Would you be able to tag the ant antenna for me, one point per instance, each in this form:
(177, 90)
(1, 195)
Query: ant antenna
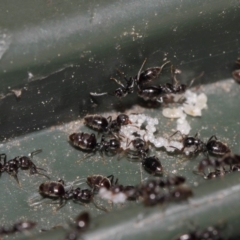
(35, 152)
(192, 81)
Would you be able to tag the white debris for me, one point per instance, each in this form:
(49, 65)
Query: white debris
(194, 103)
(192, 110)
(172, 112)
(114, 197)
(174, 145)
(202, 101)
(183, 126)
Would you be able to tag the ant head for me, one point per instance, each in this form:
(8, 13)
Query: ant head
(119, 92)
(72, 137)
(25, 162)
(123, 119)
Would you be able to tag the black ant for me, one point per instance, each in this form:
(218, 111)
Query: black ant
(56, 190)
(159, 92)
(170, 181)
(141, 147)
(24, 162)
(210, 233)
(17, 227)
(124, 90)
(189, 142)
(151, 164)
(231, 160)
(81, 225)
(142, 78)
(107, 124)
(215, 147)
(88, 142)
(236, 73)
(152, 191)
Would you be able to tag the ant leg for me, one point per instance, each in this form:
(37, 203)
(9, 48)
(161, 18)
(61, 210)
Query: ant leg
(176, 133)
(111, 178)
(116, 182)
(181, 150)
(16, 178)
(212, 137)
(118, 82)
(85, 156)
(42, 174)
(160, 100)
(62, 204)
(193, 80)
(99, 206)
(139, 72)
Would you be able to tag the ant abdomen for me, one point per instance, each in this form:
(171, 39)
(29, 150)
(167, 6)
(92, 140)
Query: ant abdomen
(97, 122)
(52, 189)
(84, 141)
(152, 165)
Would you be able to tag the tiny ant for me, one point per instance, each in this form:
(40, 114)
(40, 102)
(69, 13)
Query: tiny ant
(210, 233)
(113, 145)
(17, 227)
(189, 142)
(88, 142)
(124, 90)
(159, 92)
(56, 190)
(215, 163)
(231, 160)
(121, 120)
(170, 181)
(152, 192)
(81, 225)
(141, 147)
(24, 162)
(107, 124)
(151, 164)
(215, 147)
